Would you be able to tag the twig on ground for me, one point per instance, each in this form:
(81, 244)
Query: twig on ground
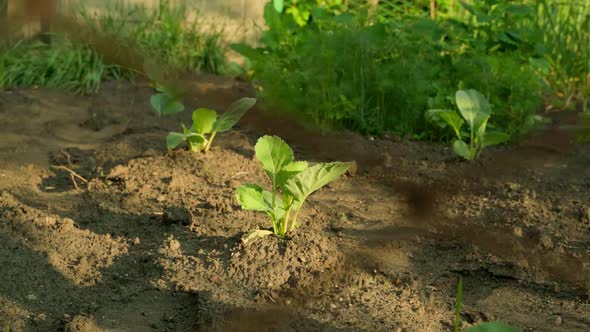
(73, 175)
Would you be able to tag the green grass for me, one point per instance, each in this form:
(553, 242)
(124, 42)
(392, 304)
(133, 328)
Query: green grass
(70, 62)
(62, 65)
(162, 34)
(566, 26)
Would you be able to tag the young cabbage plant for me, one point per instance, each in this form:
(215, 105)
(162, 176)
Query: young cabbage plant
(475, 112)
(167, 101)
(291, 184)
(206, 125)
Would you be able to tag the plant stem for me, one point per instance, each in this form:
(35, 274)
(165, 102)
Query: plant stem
(210, 140)
(471, 143)
(275, 226)
(285, 222)
(294, 221)
(192, 146)
(274, 192)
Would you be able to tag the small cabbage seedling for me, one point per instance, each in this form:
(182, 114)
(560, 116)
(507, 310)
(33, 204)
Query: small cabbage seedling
(167, 101)
(475, 110)
(206, 125)
(291, 184)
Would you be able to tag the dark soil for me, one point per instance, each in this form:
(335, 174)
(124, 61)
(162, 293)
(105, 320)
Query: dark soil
(152, 241)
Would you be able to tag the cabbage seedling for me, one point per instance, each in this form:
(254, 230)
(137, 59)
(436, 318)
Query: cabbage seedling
(206, 125)
(167, 101)
(291, 183)
(475, 110)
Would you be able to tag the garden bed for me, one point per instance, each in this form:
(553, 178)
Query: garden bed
(152, 241)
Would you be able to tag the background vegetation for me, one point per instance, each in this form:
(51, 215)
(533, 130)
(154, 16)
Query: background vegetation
(370, 66)
(378, 68)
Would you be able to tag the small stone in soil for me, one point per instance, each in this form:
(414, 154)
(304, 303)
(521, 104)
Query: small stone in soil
(546, 242)
(174, 245)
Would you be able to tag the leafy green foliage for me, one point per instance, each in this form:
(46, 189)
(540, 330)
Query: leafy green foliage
(291, 184)
(380, 72)
(300, 10)
(475, 111)
(206, 124)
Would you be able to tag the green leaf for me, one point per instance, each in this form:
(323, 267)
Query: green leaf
(494, 138)
(165, 105)
(474, 107)
(451, 118)
(255, 235)
(233, 114)
(481, 131)
(203, 120)
(174, 139)
(289, 170)
(279, 5)
(251, 197)
(303, 184)
(195, 140)
(493, 327)
(462, 149)
(274, 154)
